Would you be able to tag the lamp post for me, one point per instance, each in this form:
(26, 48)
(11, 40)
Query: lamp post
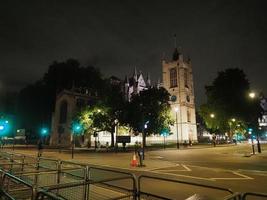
(212, 116)
(177, 139)
(252, 143)
(144, 137)
(252, 95)
(76, 129)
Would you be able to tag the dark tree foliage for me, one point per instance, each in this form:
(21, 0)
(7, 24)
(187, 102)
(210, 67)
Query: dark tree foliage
(114, 100)
(36, 102)
(227, 98)
(150, 107)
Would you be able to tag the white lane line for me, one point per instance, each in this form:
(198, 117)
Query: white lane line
(241, 177)
(187, 168)
(257, 172)
(172, 170)
(161, 169)
(185, 176)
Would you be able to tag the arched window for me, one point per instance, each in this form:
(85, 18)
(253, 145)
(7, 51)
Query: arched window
(173, 77)
(63, 112)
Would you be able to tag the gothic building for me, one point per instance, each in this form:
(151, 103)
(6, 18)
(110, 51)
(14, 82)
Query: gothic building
(135, 84)
(68, 103)
(177, 79)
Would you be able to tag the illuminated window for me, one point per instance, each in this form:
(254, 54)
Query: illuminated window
(173, 77)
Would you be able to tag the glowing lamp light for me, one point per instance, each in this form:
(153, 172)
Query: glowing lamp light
(44, 131)
(252, 95)
(176, 109)
(212, 115)
(77, 128)
(2, 127)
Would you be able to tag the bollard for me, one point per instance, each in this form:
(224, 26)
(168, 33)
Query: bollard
(140, 155)
(86, 186)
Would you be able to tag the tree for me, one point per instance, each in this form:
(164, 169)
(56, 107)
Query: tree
(115, 102)
(36, 101)
(94, 119)
(149, 112)
(227, 99)
(107, 113)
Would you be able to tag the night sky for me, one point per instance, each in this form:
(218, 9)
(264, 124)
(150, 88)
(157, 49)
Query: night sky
(117, 35)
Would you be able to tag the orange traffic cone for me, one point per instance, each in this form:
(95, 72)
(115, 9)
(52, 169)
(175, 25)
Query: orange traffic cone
(134, 161)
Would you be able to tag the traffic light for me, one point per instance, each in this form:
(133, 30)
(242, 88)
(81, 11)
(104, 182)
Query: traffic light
(4, 127)
(250, 131)
(77, 128)
(44, 132)
(164, 132)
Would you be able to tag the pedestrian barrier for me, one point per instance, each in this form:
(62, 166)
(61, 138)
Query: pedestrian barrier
(252, 195)
(31, 178)
(13, 187)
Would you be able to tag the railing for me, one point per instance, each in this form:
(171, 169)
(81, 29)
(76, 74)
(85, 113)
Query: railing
(252, 194)
(41, 195)
(13, 187)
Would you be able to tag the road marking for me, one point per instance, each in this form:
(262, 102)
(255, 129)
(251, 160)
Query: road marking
(187, 168)
(256, 172)
(242, 175)
(163, 169)
(180, 175)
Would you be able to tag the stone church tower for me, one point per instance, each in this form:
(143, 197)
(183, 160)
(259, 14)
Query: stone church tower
(178, 81)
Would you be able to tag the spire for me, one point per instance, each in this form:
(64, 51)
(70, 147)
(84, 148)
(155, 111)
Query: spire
(175, 55)
(148, 80)
(175, 41)
(135, 74)
(126, 80)
(188, 59)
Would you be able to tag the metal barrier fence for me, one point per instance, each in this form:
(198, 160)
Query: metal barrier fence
(254, 196)
(27, 177)
(63, 178)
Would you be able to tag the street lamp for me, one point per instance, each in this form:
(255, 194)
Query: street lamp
(212, 115)
(251, 137)
(177, 139)
(252, 95)
(144, 136)
(76, 129)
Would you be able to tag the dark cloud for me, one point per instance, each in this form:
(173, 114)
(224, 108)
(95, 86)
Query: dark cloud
(119, 34)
